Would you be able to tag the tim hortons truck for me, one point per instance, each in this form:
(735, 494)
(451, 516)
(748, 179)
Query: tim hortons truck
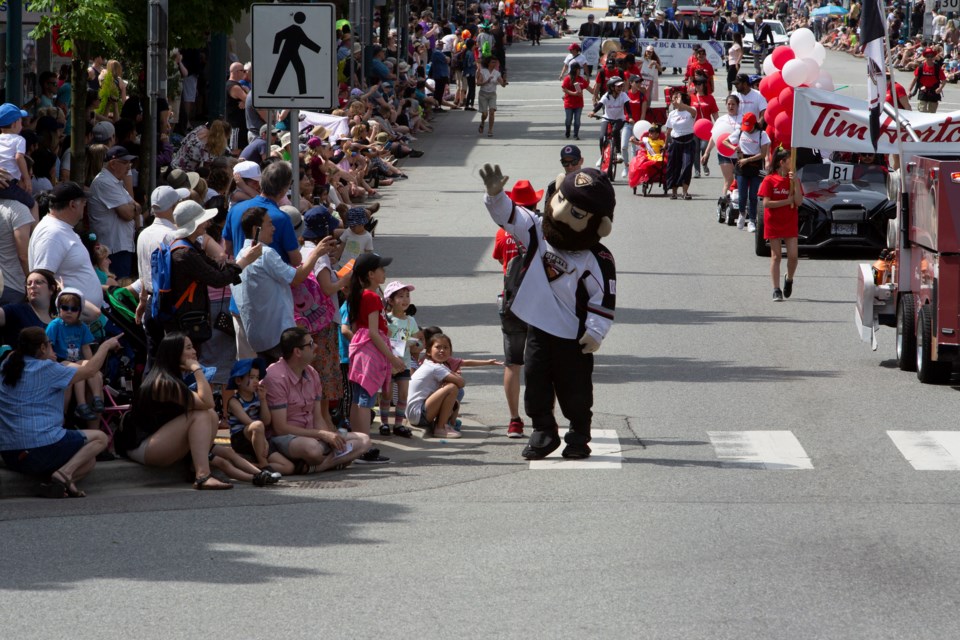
(915, 285)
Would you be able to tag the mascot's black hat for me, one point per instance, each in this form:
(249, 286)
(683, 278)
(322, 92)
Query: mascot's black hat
(590, 190)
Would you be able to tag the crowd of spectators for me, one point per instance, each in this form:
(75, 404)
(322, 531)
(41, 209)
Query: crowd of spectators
(220, 299)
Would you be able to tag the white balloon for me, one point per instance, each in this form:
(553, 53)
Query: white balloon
(794, 72)
(720, 128)
(819, 54)
(824, 81)
(802, 41)
(813, 71)
(768, 67)
(640, 128)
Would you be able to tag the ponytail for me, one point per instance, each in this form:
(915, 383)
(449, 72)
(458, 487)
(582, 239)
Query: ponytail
(29, 343)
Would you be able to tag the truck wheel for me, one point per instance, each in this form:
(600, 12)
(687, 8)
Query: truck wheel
(929, 371)
(906, 334)
(761, 247)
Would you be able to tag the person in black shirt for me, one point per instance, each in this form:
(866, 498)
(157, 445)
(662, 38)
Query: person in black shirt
(589, 29)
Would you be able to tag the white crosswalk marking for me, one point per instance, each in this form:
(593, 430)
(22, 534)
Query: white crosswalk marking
(929, 450)
(774, 450)
(606, 454)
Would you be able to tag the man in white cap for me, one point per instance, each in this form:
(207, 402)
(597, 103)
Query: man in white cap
(246, 174)
(162, 202)
(114, 214)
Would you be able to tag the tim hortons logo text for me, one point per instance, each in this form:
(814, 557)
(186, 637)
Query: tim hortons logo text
(838, 121)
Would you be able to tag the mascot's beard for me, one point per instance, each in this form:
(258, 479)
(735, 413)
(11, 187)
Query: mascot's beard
(561, 236)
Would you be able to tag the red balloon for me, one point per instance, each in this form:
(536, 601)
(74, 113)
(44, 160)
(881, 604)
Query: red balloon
(764, 84)
(703, 128)
(786, 100)
(775, 85)
(723, 149)
(783, 123)
(773, 110)
(781, 56)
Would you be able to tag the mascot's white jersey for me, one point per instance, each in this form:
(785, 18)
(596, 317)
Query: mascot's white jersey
(564, 293)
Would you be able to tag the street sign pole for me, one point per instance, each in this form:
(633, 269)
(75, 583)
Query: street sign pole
(295, 156)
(156, 80)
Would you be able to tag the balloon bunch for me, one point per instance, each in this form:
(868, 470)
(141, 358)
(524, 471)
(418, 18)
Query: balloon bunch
(786, 68)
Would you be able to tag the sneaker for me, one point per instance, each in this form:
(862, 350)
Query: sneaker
(741, 222)
(515, 429)
(384, 429)
(751, 227)
(623, 173)
(706, 172)
(567, 135)
(84, 413)
(372, 457)
(787, 287)
(97, 404)
(777, 295)
(619, 158)
(696, 174)
(576, 136)
(599, 162)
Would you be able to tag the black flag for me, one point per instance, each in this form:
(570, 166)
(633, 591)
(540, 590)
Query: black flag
(873, 35)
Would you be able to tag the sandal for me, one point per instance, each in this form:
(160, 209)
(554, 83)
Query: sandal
(384, 429)
(490, 134)
(480, 129)
(673, 196)
(688, 197)
(402, 431)
(200, 484)
(449, 434)
(71, 489)
(265, 477)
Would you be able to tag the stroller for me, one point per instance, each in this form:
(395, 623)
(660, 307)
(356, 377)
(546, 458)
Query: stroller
(645, 174)
(728, 206)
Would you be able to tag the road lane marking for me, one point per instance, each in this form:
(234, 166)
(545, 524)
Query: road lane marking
(929, 450)
(607, 454)
(773, 450)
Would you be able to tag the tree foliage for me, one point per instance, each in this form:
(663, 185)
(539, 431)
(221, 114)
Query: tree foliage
(190, 22)
(80, 23)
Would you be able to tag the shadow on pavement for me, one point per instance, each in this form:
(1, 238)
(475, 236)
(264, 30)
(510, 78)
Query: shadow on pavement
(626, 369)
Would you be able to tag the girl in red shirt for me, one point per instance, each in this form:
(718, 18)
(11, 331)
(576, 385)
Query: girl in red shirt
(371, 360)
(573, 86)
(706, 107)
(781, 195)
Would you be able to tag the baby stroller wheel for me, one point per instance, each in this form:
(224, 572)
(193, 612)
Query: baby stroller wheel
(722, 210)
(645, 189)
(732, 215)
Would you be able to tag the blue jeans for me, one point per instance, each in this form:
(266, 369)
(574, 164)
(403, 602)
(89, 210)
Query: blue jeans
(747, 188)
(701, 145)
(573, 114)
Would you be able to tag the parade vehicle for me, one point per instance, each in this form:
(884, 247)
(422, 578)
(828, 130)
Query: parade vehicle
(844, 205)
(915, 285)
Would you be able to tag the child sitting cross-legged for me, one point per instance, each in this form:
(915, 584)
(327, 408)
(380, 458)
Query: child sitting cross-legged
(432, 399)
(71, 340)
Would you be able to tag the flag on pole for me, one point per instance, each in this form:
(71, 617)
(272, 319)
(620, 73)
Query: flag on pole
(874, 35)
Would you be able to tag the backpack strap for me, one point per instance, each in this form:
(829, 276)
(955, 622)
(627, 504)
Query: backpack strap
(186, 295)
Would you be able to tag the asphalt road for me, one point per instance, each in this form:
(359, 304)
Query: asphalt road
(823, 530)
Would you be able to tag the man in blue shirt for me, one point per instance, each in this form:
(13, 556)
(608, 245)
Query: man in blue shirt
(378, 68)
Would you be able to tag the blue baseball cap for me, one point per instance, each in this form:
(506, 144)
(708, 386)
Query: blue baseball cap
(319, 223)
(10, 113)
(243, 367)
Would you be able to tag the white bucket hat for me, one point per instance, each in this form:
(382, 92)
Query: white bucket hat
(189, 215)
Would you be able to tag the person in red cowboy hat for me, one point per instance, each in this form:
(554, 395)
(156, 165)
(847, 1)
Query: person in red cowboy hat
(524, 195)
(574, 57)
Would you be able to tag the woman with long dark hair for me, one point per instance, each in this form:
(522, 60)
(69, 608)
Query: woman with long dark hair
(681, 144)
(171, 421)
(33, 440)
(39, 309)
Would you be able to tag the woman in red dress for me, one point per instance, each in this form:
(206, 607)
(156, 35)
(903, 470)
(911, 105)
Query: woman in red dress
(781, 195)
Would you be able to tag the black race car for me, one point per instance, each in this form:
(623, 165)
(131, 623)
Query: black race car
(844, 205)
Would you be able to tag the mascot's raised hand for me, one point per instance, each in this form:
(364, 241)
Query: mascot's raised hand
(493, 178)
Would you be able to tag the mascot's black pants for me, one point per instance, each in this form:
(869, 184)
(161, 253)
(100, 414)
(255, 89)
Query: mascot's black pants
(556, 368)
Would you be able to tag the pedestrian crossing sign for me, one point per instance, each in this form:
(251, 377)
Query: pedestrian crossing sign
(294, 56)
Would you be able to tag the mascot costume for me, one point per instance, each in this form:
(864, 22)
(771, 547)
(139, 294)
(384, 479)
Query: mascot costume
(566, 295)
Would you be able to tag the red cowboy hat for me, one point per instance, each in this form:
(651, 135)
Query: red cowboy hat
(524, 195)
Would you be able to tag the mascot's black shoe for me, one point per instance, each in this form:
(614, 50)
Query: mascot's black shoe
(576, 448)
(541, 444)
(576, 451)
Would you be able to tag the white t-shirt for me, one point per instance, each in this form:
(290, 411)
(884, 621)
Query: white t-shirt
(354, 245)
(13, 216)
(55, 246)
(680, 123)
(751, 142)
(613, 107)
(488, 80)
(323, 262)
(106, 194)
(751, 102)
(424, 382)
(578, 59)
(448, 41)
(150, 239)
(10, 145)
